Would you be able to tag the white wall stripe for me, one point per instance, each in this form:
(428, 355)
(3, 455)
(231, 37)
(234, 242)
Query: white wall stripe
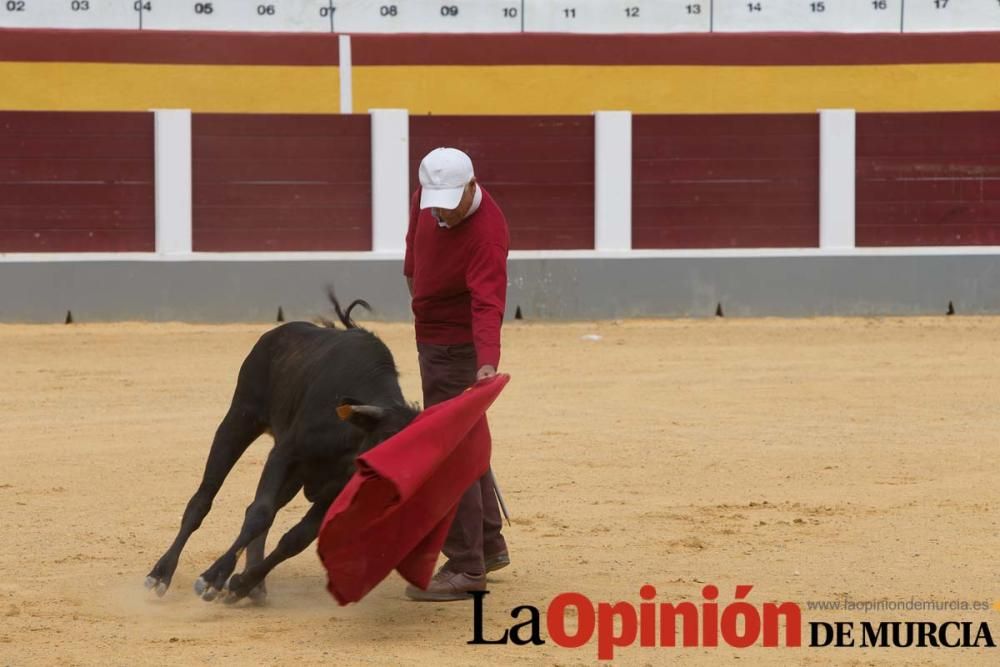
(344, 69)
(173, 180)
(836, 178)
(613, 180)
(390, 179)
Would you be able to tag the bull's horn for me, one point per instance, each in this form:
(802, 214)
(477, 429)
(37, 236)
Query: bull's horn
(373, 411)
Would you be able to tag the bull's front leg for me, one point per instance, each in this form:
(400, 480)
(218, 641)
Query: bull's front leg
(300, 536)
(258, 519)
(240, 427)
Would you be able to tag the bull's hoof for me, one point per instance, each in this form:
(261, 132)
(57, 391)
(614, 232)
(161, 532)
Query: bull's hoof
(212, 581)
(159, 577)
(160, 586)
(205, 591)
(236, 589)
(259, 594)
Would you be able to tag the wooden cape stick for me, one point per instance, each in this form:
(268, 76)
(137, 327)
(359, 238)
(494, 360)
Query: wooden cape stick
(496, 489)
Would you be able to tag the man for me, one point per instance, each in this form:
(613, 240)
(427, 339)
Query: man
(456, 270)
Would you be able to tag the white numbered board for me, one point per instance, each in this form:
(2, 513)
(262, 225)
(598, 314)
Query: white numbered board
(950, 15)
(508, 16)
(429, 16)
(807, 15)
(225, 15)
(238, 15)
(619, 16)
(80, 14)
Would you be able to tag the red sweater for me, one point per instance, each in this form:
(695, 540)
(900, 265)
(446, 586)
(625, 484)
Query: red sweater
(459, 277)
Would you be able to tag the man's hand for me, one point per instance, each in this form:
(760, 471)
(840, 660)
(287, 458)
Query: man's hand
(486, 371)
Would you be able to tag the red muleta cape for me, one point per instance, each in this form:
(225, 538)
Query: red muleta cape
(396, 510)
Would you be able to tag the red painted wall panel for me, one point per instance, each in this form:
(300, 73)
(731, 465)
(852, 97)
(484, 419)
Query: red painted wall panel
(733, 181)
(540, 170)
(281, 182)
(700, 49)
(76, 182)
(305, 49)
(928, 179)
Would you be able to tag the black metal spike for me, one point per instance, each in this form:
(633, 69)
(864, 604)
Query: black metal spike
(718, 310)
(281, 314)
(951, 308)
(517, 314)
(69, 317)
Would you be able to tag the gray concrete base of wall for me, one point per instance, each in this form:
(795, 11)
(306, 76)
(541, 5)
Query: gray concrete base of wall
(562, 288)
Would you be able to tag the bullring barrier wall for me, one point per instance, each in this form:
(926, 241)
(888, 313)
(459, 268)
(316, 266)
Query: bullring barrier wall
(921, 255)
(174, 182)
(254, 186)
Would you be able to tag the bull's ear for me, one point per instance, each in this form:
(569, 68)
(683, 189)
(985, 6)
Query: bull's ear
(365, 417)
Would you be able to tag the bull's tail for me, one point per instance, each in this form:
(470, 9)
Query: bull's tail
(344, 315)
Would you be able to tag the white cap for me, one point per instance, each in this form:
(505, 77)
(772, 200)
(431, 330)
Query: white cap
(444, 173)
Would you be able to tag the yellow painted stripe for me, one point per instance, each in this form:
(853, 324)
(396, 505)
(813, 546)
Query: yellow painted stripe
(532, 89)
(208, 88)
(521, 89)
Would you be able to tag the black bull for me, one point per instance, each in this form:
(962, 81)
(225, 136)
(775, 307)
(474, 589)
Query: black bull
(291, 385)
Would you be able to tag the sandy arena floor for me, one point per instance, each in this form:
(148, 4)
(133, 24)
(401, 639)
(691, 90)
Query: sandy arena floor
(810, 458)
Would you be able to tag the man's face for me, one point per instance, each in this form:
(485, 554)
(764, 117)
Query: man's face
(453, 216)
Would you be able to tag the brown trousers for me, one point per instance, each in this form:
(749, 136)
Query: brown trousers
(446, 371)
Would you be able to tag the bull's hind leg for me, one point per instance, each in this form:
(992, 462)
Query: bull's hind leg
(259, 517)
(300, 536)
(255, 552)
(240, 427)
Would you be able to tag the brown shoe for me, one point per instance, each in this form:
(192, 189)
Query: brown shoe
(447, 585)
(498, 561)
